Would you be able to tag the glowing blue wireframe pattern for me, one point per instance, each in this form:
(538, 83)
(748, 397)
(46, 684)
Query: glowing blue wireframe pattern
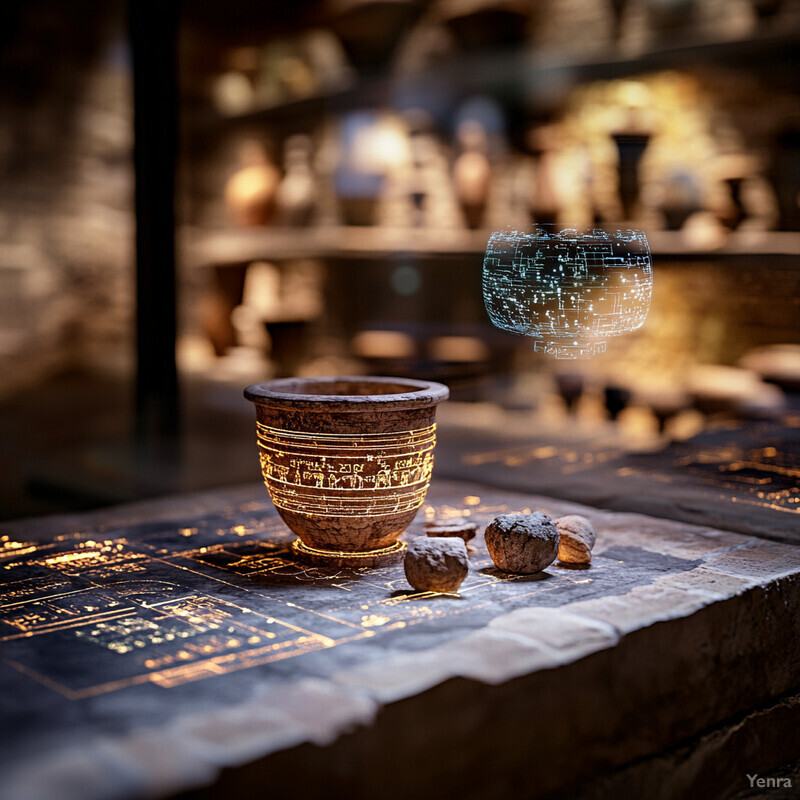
(568, 288)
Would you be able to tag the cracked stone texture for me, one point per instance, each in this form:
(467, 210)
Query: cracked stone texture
(675, 633)
(522, 543)
(436, 564)
(576, 540)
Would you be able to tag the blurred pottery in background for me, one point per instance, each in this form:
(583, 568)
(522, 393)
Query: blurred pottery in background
(616, 400)
(778, 364)
(665, 402)
(472, 172)
(295, 195)
(250, 193)
(544, 201)
(570, 388)
(731, 391)
(289, 344)
(784, 175)
(734, 170)
(631, 147)
(666, 17)
(370, 146)
(370, 30)
(618, 13)
(680, 199)
(485, 23)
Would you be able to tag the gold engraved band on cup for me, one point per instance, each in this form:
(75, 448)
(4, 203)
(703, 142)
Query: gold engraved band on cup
(364, 442)
(336, 506)
(338, 474)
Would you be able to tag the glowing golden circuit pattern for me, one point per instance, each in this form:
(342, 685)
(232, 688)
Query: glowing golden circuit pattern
(348, 475)
(756, 465)
(87, 615)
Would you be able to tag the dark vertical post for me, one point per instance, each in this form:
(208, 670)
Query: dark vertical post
(153, 37)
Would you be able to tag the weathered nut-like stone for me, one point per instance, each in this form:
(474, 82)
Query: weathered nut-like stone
(576, 540)
(461, 528)
(524, 543)
(436, 564)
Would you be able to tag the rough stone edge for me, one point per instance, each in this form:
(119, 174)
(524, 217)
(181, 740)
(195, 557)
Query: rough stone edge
(191, 750)
(713, 765)
(464, 733)
(197, 763)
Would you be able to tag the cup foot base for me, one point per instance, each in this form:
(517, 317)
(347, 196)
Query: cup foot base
(339, 558)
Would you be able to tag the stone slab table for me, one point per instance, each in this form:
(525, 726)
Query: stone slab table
(175, 648)
(740, 475)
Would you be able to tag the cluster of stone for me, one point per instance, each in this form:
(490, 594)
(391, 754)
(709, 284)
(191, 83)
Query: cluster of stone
(520, 543)
(529, 543)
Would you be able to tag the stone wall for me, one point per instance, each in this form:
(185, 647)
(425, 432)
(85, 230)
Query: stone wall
(66, 223)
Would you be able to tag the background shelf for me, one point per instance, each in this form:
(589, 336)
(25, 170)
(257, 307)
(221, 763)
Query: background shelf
(202, 248)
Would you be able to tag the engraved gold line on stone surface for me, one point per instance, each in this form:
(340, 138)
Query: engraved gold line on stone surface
(335, 474)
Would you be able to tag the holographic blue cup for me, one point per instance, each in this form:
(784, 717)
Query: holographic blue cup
(569, 288)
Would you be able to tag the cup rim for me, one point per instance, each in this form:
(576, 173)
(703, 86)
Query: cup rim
(286, 393)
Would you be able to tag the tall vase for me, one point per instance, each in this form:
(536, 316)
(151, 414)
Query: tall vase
(631, 147)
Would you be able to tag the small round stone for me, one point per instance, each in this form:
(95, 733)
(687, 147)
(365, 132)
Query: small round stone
(523, 543)
(577, 538)
(436, 564)
(453, 527)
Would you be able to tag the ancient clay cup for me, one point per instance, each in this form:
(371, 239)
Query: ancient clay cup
(347, 461)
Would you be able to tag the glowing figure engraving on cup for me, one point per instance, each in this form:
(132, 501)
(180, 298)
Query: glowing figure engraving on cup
(568, 288)
(343, 474)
